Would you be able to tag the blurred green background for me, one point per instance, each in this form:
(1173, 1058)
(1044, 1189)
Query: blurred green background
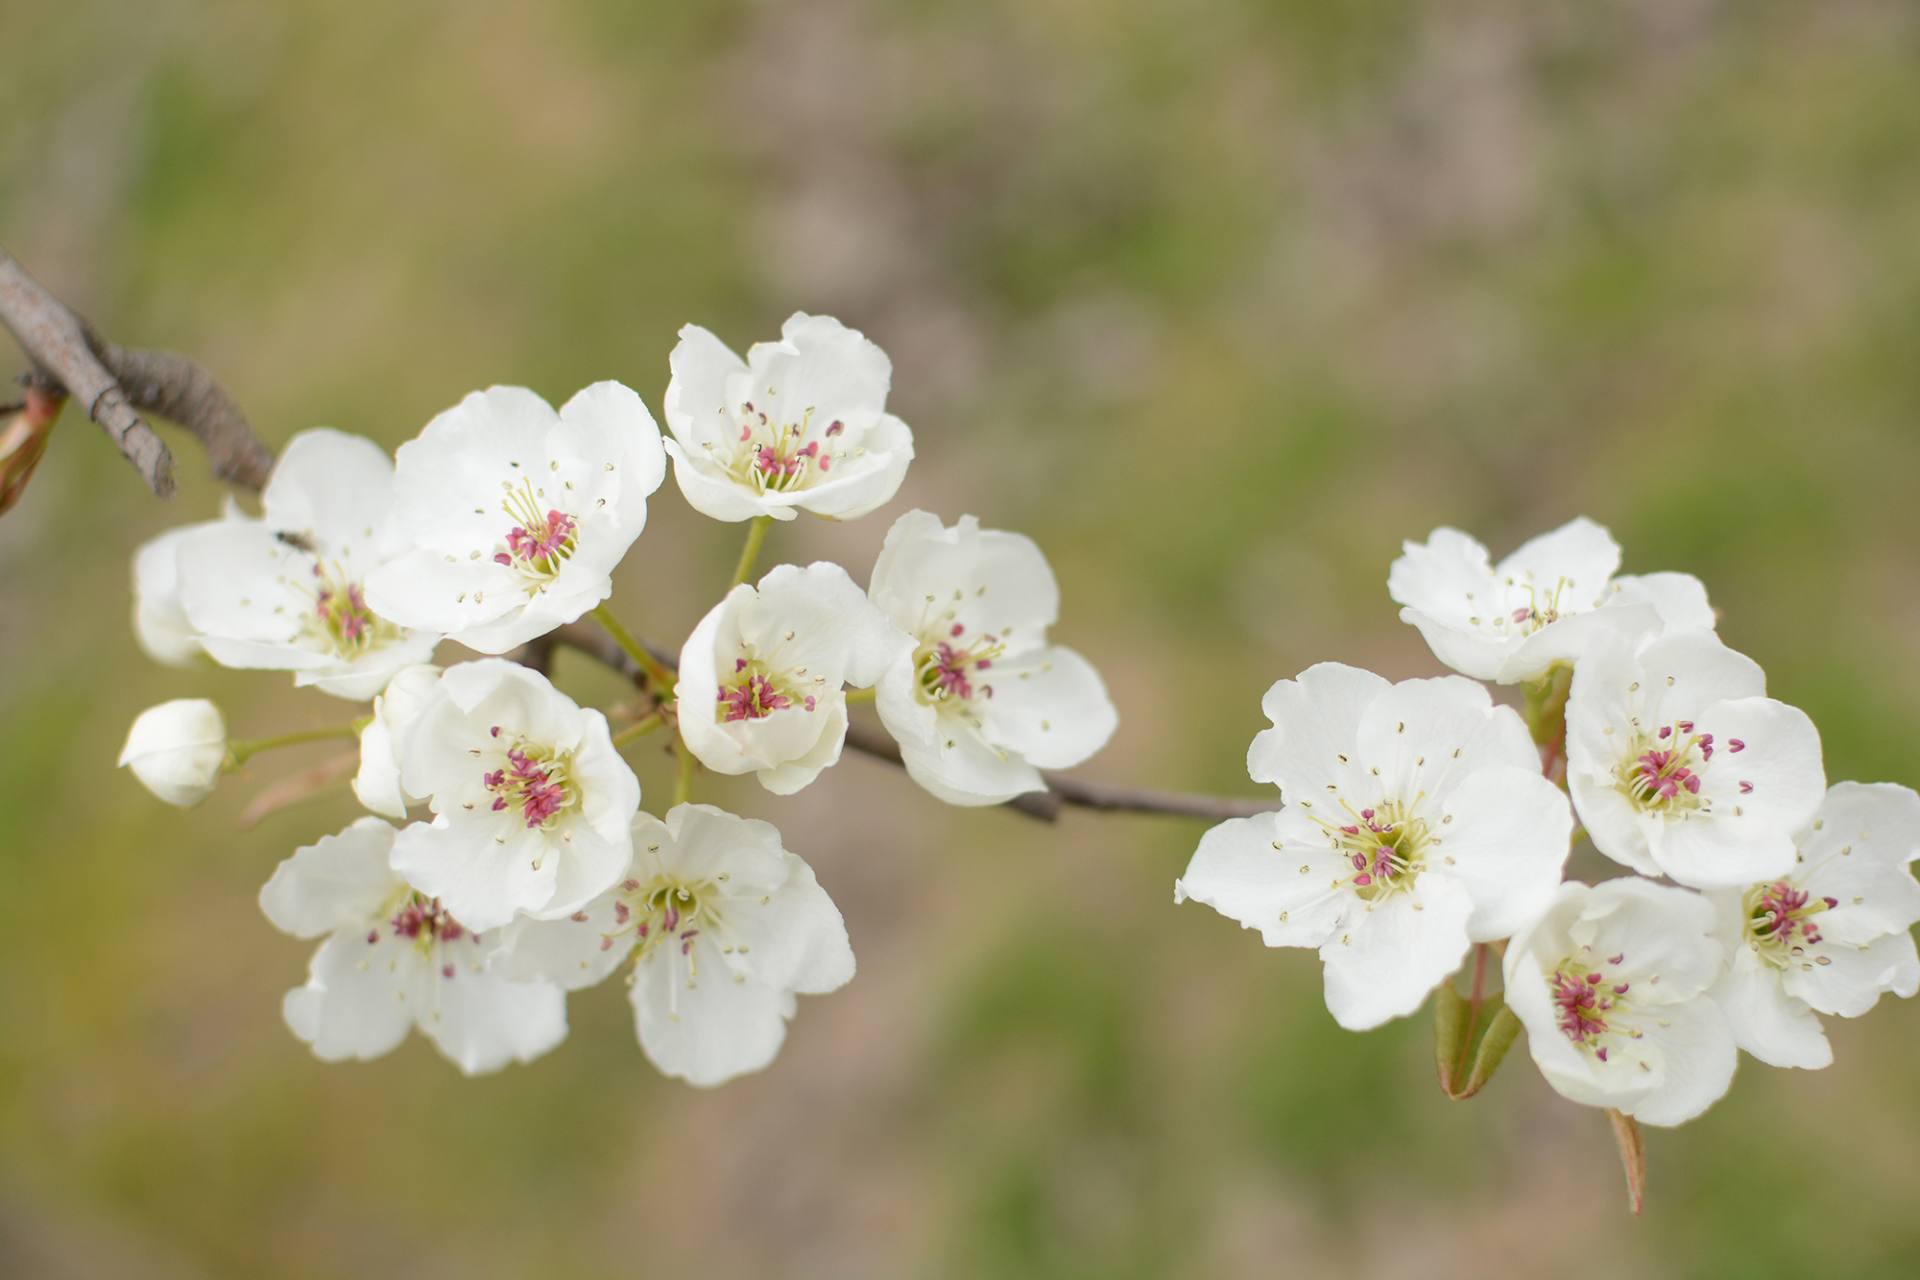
(1220, 300)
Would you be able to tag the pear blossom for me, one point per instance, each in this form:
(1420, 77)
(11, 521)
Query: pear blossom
(1829, 936)
(532, 805)
(980, 702)
(1417, 822)
(761, 676)
(377, 783)
(1679, 764)
(394, 959)
(1612, 985)
(177, 750)
(515, 516)
(160, 622)
(1542, 605)
(718, 926)
(288, 591)
(799, 425)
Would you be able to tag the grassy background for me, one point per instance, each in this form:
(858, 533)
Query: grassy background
(1220, 302)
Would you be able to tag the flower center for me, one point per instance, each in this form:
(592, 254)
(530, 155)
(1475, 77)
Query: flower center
(1662, 773)
(1386, 847)
(664, 912)
(755, 692)
(425, 923)
(538, 544)
(1780, 925)
(1589, 1003)
(779, 457)
(534, 782)
(943, 666)
(340, 621)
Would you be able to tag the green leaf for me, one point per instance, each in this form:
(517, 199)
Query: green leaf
(1502, 1029)
(1450, 1010)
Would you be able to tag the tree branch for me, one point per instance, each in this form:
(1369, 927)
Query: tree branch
(115, 383)
(1062, 791)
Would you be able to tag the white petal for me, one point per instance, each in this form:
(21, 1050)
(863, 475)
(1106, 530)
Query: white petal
(482, 1022)
(1699, 1057)
(963, 769)
(1580, 554)
(1429, 735)
(570, 952)
(481, 876)
(338, 882)
(1768, 1023)
(1274, 873)
(797, 774)
(709, 1029)
(712, 493)
(696, 406)
(1847, 980)
(1316, 717)
(1049, 705)
(1385, 961)
(930, 579)
(360, 999)
(159, 621)
(336, 491)
(797, 941)
(1679, 598)
(1507, 843)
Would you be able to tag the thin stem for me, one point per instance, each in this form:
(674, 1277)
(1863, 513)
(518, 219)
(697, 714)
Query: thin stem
(857, 696)
(239, 752)
(749, 554)
(683, 777)
(639, 728)
(657, 673)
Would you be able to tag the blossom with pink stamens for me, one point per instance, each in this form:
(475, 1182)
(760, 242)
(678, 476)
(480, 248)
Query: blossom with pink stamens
(980, 701)
(799, 425)
(1830, 936)
(395, 959)
(1544, 605)
(1611, 984)
(1416, 824)
(531, 802)
(772, 661)
(516, 514)
(1646, 717)
(718, 928)
(287, 591)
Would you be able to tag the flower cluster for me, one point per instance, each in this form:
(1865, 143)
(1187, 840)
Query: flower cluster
(508, 859)
(1422, 821)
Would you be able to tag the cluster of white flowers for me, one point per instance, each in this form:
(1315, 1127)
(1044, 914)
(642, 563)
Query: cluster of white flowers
(523, 865)
(1422, 818)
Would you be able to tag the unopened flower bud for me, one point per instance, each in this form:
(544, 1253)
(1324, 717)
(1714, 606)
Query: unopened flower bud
(177, 749)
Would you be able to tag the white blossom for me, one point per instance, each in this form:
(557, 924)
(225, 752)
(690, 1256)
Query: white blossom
(980, 702)
(532, 804)
(1680, 765)
(760, 681)
(719, 927)
(377, 783)
(288, 591)
(160, 622)
(177, 750)
(1611, 985)
(515, 516)
(1542, 605)
(394, 959)
(799, 425)
(1417, 822)
(1832, 934)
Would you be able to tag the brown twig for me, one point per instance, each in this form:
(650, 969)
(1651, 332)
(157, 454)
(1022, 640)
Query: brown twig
(115, 383)
(1061, 792)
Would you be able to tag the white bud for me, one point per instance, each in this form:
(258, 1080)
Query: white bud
(177, 749)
